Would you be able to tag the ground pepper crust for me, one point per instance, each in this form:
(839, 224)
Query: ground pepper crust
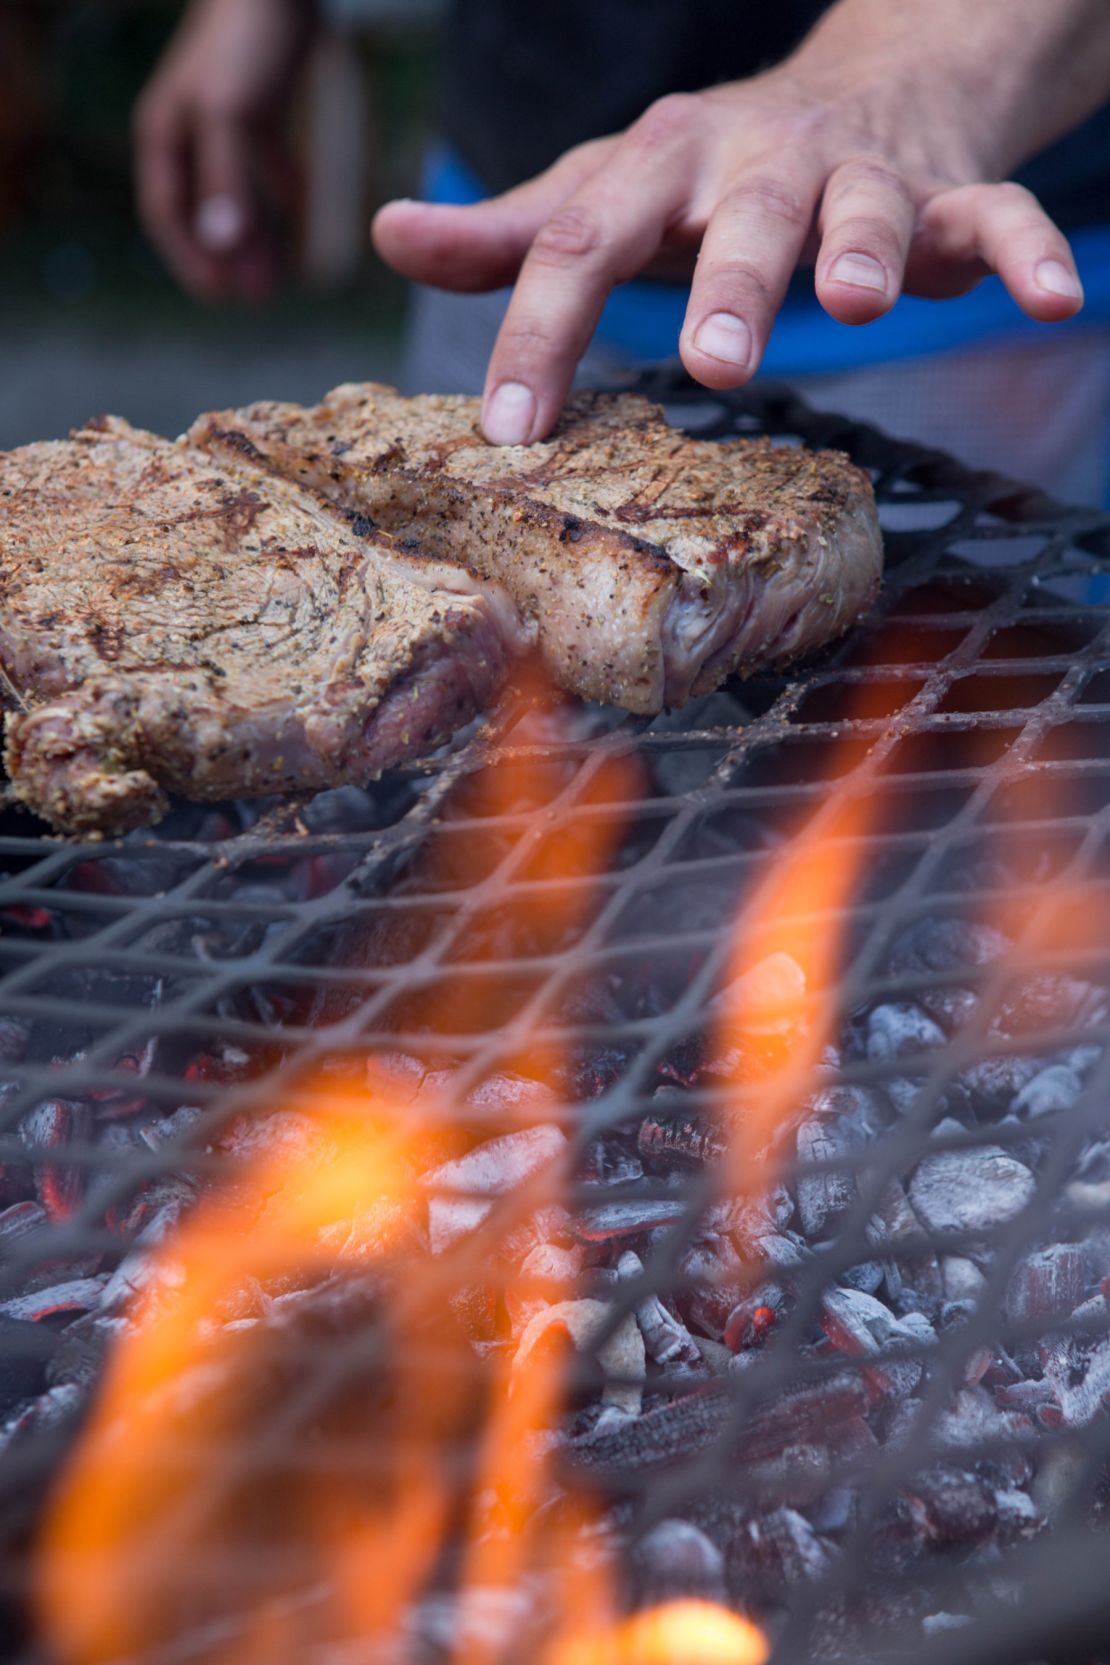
(292, 598)
(173, 620)
(653, 564)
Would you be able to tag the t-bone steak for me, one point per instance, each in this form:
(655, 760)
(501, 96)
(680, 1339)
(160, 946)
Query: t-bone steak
(292, 598)
(175, 620)
(652, 565)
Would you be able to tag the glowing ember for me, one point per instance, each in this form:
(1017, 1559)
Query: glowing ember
(781, 1010)
(677, 1633)
(334, 1297)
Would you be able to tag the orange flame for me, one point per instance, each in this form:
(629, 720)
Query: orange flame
(780, 1009)
(256, 1485)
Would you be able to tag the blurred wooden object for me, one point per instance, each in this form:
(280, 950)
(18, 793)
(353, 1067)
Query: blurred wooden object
(337, 142)
(343, 128)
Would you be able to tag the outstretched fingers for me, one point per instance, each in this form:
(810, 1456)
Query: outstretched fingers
(751, 247)
(1003, 229)
(867, 220)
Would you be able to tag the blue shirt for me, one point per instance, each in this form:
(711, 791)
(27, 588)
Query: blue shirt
(642, 319)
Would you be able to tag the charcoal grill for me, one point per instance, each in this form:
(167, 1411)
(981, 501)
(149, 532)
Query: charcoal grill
(224, 958)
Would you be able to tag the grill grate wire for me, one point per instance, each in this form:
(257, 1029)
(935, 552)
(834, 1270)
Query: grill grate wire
(316, 931)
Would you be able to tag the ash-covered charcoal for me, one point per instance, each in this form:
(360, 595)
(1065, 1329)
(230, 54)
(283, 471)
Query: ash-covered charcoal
(19, 1220)
(49, 1412)
(989, 1087)
(1044, 1000)
(773, 1553)
(712, 1277)
(608, 1162)
(1049, 1283)
(831, 1144)
(48, 1131)
(671, 1433)
(911, 1268)
(621, 1220)
(970, 1192)
(668, 1342)
(56, 1301)
(899, 1029)
(752, 1319)
(1055, 1088)
(677, 1560)
(937, 945)
(674, 1143)
(862, 1327)
(15, 1032)
(1078, 1371)
(461, 1190)
(942, 1511)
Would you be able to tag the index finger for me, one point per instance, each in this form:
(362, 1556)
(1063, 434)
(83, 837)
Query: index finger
(602, 235)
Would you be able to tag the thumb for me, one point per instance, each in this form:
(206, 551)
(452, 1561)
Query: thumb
(480, 245)
(223, 207)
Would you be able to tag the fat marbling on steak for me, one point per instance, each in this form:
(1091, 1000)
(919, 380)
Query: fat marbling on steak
(171, 620)
(652, 565)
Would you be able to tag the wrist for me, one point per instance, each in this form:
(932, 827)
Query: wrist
(983, 83)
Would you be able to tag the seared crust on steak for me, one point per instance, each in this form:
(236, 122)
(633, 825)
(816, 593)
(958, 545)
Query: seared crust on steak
(653, 565)
(174, 620)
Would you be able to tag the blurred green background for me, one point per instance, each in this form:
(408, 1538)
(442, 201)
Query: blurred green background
(91, 321)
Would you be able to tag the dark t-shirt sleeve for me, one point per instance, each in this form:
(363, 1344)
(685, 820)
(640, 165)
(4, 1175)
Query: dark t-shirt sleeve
(521, 82)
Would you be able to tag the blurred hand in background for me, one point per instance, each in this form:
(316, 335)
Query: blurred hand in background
(213, 168)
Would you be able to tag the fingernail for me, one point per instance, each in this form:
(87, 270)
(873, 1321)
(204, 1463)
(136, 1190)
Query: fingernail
(1056, 279)
(724, 336)
(220, 223)
(860, 270)
(509, 415)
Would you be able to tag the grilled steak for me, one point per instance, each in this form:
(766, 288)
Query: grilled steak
(171, 619)
(653, 565)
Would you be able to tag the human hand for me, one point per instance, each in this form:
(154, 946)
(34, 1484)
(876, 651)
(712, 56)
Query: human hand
(209, 159)
(874, 151)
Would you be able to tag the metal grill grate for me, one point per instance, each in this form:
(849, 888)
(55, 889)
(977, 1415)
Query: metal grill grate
(220, 961)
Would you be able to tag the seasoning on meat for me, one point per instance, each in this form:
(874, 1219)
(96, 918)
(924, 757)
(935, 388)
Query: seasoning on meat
(652, 565)
(289, 599)
(175, 621)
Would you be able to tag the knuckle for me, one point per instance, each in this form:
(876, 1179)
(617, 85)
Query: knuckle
(868, 234)
(667, 120)
(569, 236)
(1010, 194)
(744, 282)
(523, 343)
(770, 198)
(873, 174)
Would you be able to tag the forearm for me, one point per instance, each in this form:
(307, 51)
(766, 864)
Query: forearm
(1009, 75)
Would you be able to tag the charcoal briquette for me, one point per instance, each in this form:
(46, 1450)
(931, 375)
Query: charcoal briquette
(676, 1559)
(899, 1029)
(972, 1191)
(1056, 1087)
(1049, 1283)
